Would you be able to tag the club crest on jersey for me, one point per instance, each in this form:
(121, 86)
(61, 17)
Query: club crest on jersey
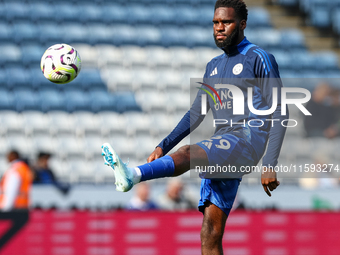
(238, 68)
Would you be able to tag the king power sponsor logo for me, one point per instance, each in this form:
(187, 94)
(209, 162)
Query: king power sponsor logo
(235, 101)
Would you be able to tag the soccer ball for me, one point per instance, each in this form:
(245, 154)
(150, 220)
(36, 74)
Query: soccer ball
(60, 63)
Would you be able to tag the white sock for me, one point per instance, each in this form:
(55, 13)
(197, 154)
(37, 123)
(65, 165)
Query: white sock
(137, 175)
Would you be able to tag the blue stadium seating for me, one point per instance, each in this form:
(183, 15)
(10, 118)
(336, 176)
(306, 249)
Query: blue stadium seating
(26, 99)
(74, 33)
(24, 32)
(102, 101)
(77, 100)
(15, 11)
(50, 33)
(90, 12)
(114, 13)
(6, 33)
(148, 35)
(31, 54)
(17, 77)
(125, 101)
(6, 99)
(66, 12)
(10, 55)
(52, 100)
(41, 11)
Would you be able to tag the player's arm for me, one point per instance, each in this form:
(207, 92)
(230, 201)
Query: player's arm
(191, 120)
(267, 70)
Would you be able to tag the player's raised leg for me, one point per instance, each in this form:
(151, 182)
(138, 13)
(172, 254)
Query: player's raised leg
(163, 166)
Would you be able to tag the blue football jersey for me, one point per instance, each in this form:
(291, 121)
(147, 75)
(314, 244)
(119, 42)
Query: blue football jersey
(243, 66)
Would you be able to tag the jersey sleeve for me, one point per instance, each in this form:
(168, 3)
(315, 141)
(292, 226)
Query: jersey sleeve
(191, 120)
(267, 72)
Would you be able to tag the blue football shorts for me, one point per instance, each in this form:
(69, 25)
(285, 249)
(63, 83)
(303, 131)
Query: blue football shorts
(231, 154)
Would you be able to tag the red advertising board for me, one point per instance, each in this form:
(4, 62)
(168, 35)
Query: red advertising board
(173, 233)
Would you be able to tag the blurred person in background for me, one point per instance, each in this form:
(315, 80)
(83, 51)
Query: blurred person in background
(323, 119)
(175, 198)
(15, 187)
(15, 184)
(141, 200)
(43, 173)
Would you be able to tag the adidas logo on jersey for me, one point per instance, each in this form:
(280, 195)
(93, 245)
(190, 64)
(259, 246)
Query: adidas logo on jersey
(214, 72)
(207, 144)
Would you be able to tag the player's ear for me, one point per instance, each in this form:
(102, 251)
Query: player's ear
(243, 24)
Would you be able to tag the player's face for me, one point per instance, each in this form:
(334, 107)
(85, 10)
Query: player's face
(226, 27)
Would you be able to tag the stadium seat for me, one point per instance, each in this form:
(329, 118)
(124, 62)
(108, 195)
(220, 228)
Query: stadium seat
(336, 20)
(88, 55)
(326, 61)
(6, 33)
(186, 15)
(86, 123)
(6, 100)
(108, 55)
(74, 33)
(15, 11)
(100, 34)
(123, 34)
(67, 12)
(51, 100)
(31, 54)
(162, 14)
(205, 14)
(88, 79)
(114, 13)
(38, 80)
(102, 101)
(18, 77)
(173, 36)
(24, 32)
(158, 57)
(126, 102)
(26, 99)
(151, 101)
(148, 35)
(35, 122)
(21, 143)
(90, 12)
(258, 17)
(134, 55)
(169, 80)
(320, 13)
(199, 37)
(93, 146)
(11, 122)
(50, 33)
(182, 57)
(69, 148)
(77, 100)
(144, 79)
(122, 79)
(139, 14)
(10, 55)
(112, 123)
(44, 142)
(292, 39)
(41, 11)
(61, 123)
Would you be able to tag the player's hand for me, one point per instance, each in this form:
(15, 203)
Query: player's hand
(269, 180)
(157, 153)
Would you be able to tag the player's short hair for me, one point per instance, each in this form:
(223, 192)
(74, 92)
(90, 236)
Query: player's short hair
(238, 5)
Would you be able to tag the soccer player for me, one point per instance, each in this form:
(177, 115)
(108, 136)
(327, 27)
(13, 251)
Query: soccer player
(249, 66)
